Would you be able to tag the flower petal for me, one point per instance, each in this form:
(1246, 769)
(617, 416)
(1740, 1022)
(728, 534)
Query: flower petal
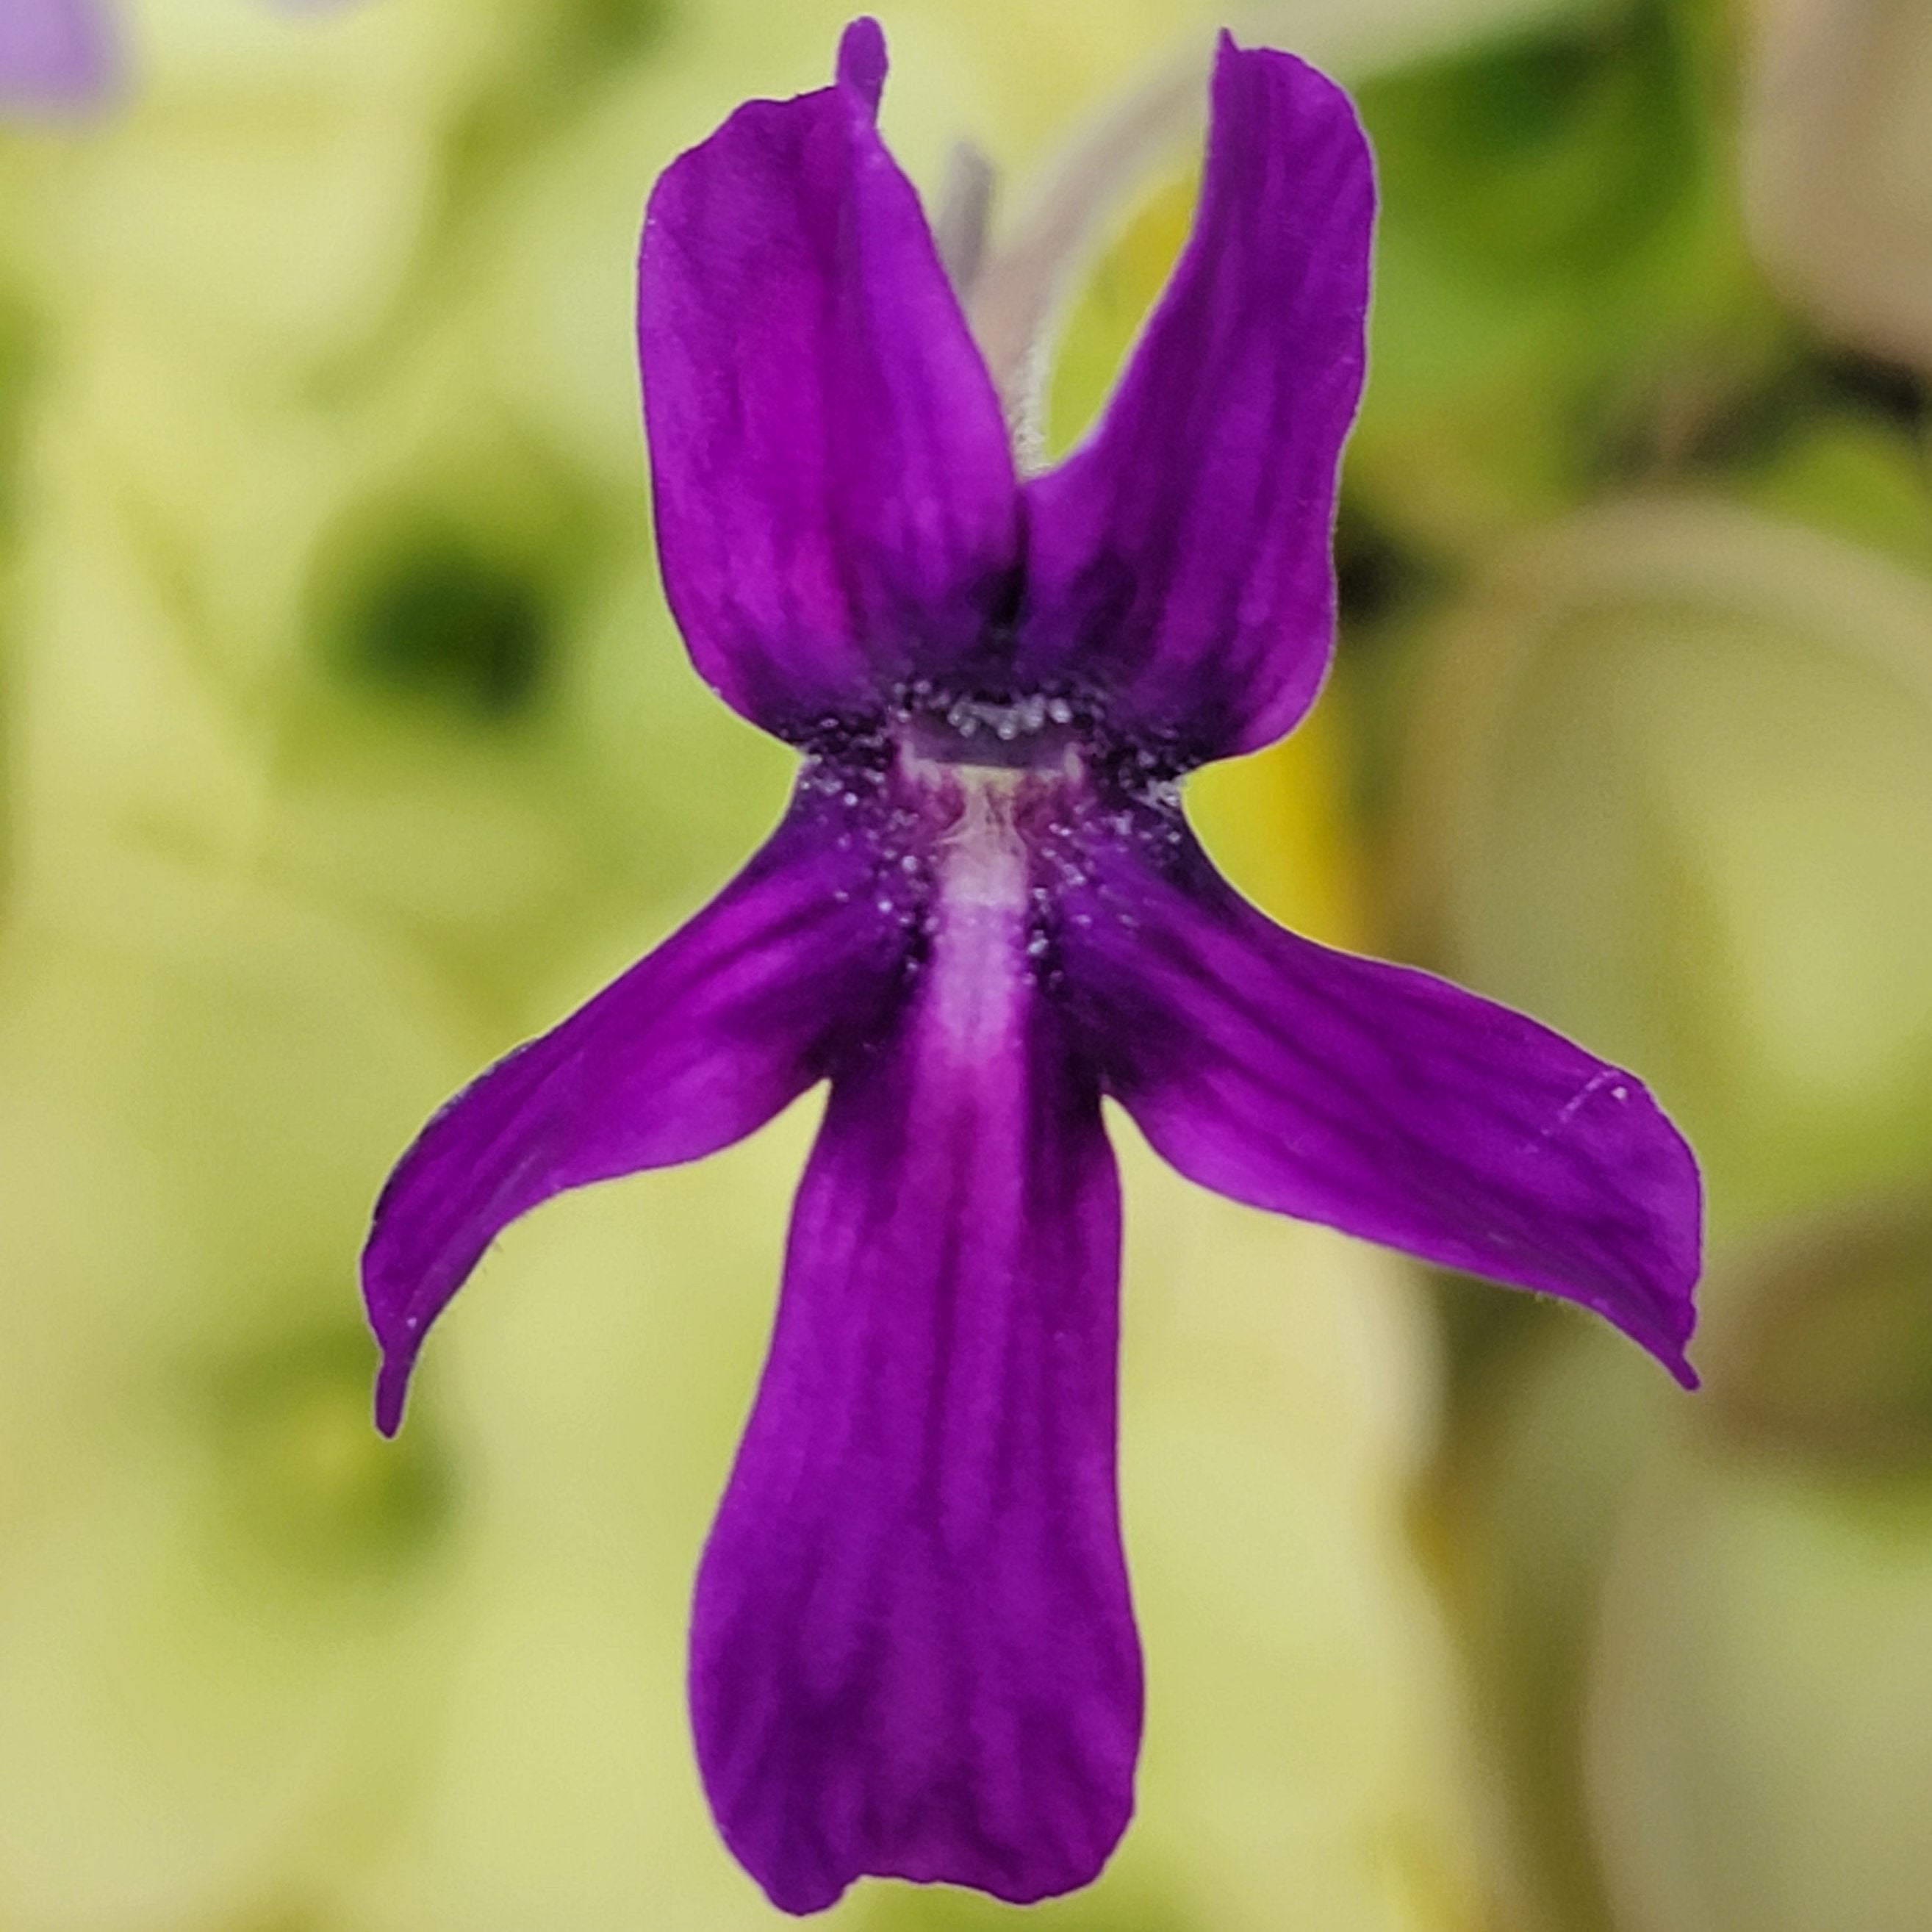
(698, 1044)
(56, 53)
(861, 60)
(1378, 1098)
(1182, 558)
(913, 1652)
(836, 506)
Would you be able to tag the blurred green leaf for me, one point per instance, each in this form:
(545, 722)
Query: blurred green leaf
(1563, 290)
(1555, 1425)
(1549, 156)
(1821, 1343)
(441, 623)
(448, 589)
(1761, 1714)
(1673, 793)
(214, 1584)
(307, 1486)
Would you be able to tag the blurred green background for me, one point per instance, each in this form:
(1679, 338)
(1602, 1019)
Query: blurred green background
(346, 740)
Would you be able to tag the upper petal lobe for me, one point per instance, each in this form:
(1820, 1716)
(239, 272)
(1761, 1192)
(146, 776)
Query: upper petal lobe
(1380, 1099)
(912, 1651)
(836, 506)
(1182, 558)
(698, 1044)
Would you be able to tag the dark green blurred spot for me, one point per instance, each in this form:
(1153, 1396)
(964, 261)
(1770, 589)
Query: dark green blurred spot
(1834, 442)
(1377, 576)
(574, 48)
(1886, 391)
(1545, 154)
(1683, 407)
(600, 32)
(306, 1482)
(1833, 1352)
(1748, 425)
(441, 624)
(1511, 105)
(18, 346)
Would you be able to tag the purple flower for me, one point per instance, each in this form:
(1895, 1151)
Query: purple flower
(912, 1651)
(61, 55)
(55, 54)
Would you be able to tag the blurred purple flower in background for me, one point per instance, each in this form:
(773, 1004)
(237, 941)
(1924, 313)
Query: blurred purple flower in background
(55, 54)
(62, 55)
(913, 1651)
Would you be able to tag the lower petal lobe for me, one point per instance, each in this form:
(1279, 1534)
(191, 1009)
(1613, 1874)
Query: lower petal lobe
(913, 1652)
(698, 1044)
(1378, 1098)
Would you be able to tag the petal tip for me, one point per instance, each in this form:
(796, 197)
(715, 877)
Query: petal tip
(392, 1388)
(805, 1900)
(1322, 104)
(863, 61)
(1664, 1332)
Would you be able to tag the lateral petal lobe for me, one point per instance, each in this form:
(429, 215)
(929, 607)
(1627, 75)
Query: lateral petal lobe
(1380, 1099)
(701, 1043)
